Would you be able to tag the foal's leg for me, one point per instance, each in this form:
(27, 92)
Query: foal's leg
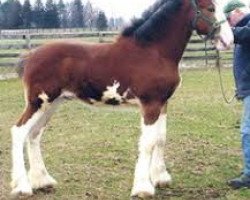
(158, 173)
(32, 120)
(20, 183)
(38, 174)
(150, 124)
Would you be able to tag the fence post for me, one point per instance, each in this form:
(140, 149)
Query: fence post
(101, 37)
(27, 39)
(206, 54)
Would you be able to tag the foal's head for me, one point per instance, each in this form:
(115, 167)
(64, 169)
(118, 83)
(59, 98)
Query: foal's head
(208, 19)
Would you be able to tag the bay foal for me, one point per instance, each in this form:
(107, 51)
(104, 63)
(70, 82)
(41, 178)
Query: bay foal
(141, 64)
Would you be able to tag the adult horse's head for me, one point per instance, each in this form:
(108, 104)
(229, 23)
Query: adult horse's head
(209, 20)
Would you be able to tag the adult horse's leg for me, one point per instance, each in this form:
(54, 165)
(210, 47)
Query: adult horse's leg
(38, 174)
(150, 124)
(158, 173)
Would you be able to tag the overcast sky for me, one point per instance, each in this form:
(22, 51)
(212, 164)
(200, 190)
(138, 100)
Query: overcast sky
(116, 8)
(125, 8)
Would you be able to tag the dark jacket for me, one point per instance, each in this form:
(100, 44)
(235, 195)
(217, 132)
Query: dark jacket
(242, 57)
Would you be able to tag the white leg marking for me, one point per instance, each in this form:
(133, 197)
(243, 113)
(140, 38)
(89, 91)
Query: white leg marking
(38, 174)
(158, 173)
(142, 183)
(20, 183)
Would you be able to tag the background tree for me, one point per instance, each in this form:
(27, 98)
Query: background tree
(38, 14)
(4, 10)
(111, 23)
(1, 16)
(119, 23)
(16, 20)
(51, 18)
(27, 14)
(76, 14)
(52, 15)
(11, 11)
(63, 14)
(90, 15)
(101, 21)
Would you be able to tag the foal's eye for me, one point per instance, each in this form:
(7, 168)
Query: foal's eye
(212, 10)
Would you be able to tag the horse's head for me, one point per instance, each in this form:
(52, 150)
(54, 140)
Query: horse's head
(210, 20)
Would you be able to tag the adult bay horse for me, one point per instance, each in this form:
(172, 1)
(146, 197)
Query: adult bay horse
(141, 64)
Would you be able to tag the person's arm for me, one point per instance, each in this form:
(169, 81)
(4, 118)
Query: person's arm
(241, 35)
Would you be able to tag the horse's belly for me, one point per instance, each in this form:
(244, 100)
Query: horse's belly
(110, 96)
(126, 104)
(113, 98)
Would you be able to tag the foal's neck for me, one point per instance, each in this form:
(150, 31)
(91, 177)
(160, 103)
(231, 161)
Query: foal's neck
(174, 45)
(177, 36)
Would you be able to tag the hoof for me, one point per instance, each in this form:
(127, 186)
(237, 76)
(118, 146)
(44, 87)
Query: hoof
(163, 180)
(41, 181)
(143, 195)
(20, 195)
(143, 191)
(21, 190)
(45, 190)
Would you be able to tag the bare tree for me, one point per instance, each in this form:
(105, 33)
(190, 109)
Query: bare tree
(90, 15)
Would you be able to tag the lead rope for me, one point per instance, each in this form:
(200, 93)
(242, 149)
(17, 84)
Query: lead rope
(218, 66)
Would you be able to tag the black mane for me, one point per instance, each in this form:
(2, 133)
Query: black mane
(149, 27)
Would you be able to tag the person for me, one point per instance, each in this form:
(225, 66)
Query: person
(238, 15)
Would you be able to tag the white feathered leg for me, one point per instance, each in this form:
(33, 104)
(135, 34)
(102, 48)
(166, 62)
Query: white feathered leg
(38, 174)
(20, 183)
(142, 183)
(158, 173)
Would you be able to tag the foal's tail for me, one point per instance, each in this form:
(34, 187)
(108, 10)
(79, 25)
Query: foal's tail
(21, 63)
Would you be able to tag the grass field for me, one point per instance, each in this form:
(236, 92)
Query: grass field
(92, 152)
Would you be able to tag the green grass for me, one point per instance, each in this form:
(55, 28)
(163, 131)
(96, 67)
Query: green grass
(12, 41)
(92, 152)
(4, 60)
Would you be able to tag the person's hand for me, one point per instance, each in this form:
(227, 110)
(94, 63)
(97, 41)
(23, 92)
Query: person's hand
(235, 17)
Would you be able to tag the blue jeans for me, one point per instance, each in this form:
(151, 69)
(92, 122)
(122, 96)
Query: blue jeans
(245, 134)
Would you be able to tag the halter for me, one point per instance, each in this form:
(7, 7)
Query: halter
(214, 25)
